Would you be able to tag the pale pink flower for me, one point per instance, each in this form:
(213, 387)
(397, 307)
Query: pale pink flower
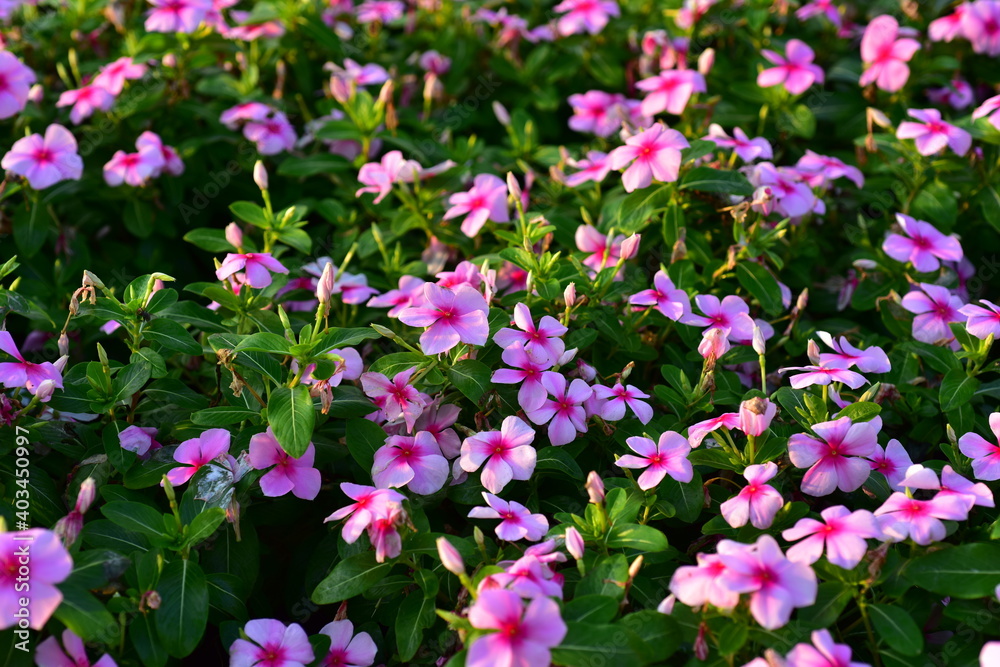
(932, 134)
(651, 154)
(984, 454)
(397, 398)
(603, 250)
(149, 143)
(85, 101)
(370, 504)
(138, 439)
(183, 16)
(834, 458)
(756, 415)
(542, 341)
(886, 54)
(523, 636)
(273, 644)
(415, 462)
(819, 170)
(508, 454)
(51, 654)
(564, 412)
(134, 169)
(947, 27)
(869, 360)
(901, 517)
(233, 116)
(450, 317)
(436, 420)
(584, 15)
(528, 369)
(935, 308)
(826, 373)
(23, 373)
(746, 148)
(981, 25)
(841, 534)
(667, 456)
(893, 462)
(792, 196)
(346, 648)
(730, 316)
(516, 521)
(486, 200)
(672, 303)
(50, 565)
(113, 76)
(991, 108)
(982, 321)
(212, 445)
(16, 79)
(288, 474)
(813, 8)
(594, 168)
(697, 585)
(795, 69)
(823, 652)
(257, 266)
(271, 135)
(410, 289)
(758, 502)
(697, 432)
(923, 245)
(381, 11)
(379, 177)
(47, 161)
(616, 399)
(597, 112)
(670, 91)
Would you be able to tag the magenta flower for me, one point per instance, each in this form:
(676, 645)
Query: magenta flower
(182, 16)
(826, 373)
(984, 454)
(150, 144)
(731, 316)
(16, 79)
(85, 101)
(584, 15)
(50, 653)
(528, 370)
(596, 112)
(451, 317)
(697, 585)
(528, 576)
(795, 69)
(516, 521)
(932, 134)
(792, 196)
(289, 474)
(813, 8)
(370, 504)
(922, 246)
(272, 135)
(272, 644)
(508, 454)
(346, 648)
(384, 536)
(697, 432)
(233, 116)
(411, 290)
(436, 420)
(777, 585)
(258, 267)
(893, 461)
(758, 502)
(50, 565)
(991, 108)
(541, 342)
(22, 373)
(139, 439)
(901, 517)
(134, 169)
(870, 360)
(935, 308)
(886, 54)
(594, 168)
(673, 303)
(47, 161)
(670, 91)
(746, 148)
(982, 321)
(980, 24)
(819, 170)
(668, 456)
(603, 250)
(414, 462)
(823, 652)
(379, 177)
(523, 635)
(396, 398)
(211, 445)
(564, 412)
(958, 94)
(113, 76)
(832, 458)
(652, 154)
(615, 399)
(841, 533)
(486, 200)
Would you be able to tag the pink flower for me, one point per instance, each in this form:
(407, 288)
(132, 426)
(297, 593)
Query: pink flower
(595, 168)
(360, 75)
(730, 316)
(50, 565)
(597, 112)
(436, 419)
(982, 321)
(668, 456)
(818, 170)
(832, 458)
(584, 15)
(149, 143)
(379, 177)
(370, 504)
(757, 502)
(777, 585)
(85, 102)
(795, 70)
(232, 117)
(950, 484)
(826, 373)
(935, 308)
(113, 76)
(272, 135)
(516, 521)
(564, 412)
(823, 652)
(652, 154)
(139, 439)
(886, 55)
(47, 161)
(451, 317)
(870, 360)
(528, 370)
(604, 250)
(528, 576)
(697, 585)
(22, 373)
(211, 445)
(673, 303)
(397, 399)
(932, 134)
(381, 11)
(271, 644)
(817, 7)
(289, 474)
(411, 289)
(990, 654)
(615, 399)
(353, 289)
(508, 454)
(746, 148)
(346, 648)
(892, 462)
(841, 533)
(50, 654)
(182, 16)
(991, 108)
(957, 94)
(981, 25)
(486, 200)
(670, 91)
(792, 196)
(16, 79)
(756, 415)
(523, 635)
(923, 245)
(258, 267)
(542, 342)
(697, 432)
(414, 462)
(901, 517)
(985, 455)
(135, 169)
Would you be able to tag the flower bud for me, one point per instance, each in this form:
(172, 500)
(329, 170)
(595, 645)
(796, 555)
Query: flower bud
(759, 346)
(450, 558)
(325, 286)
(152, 599)
(91, 280)
(595, 488)
(45, 390)
(513, 186)
(803, 300)
(756, 415)
(705, 61)
(812, 351)
(864, 264)
(763, 200)
(169, 60)
(574, 543)
(36, 93)
(630, 246)
(60, 363)
(85, 497)
(667, 606)
(713, 344)
(340, 89)
(501, 113)
(569, 295)
(234, 235)
(63, 344)
(633, 569)
(879, 118)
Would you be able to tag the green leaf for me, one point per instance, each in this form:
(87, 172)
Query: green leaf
(635, 210)
(967, 571)
(471, 377)
(130, 380)
(416, 614)
(337, 338)
(897, 628)
(171, 335)
(860, 412)
(636, 536)
(322, 163)
(82, 613)
(264, 342)
(660, 633)
(793, 401)
(989, 203)
(597, 644)
(688, 499)
(706, 179)
(364, 437)
(249, 212)
(183, 613)
(799, 121)
(291, 416)
(590, 609)
(203, 525)
(957, 388)
(557, 459)
(350, 577)
(211, 240)
(607, 578)
(146, 641)
(31, 228)
(223, 415)
(761, 284)
(136, 517)
(831, 599)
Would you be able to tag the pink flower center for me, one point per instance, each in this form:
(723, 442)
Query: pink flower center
(43, 156)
